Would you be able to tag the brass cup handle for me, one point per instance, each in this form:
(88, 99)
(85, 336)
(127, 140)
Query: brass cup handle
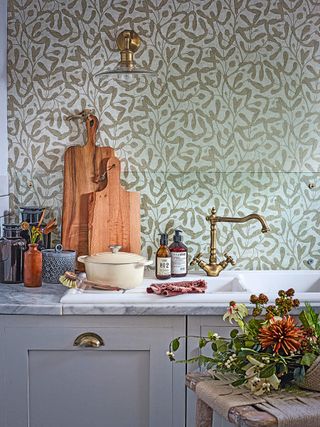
(229, 259)
(196, 259)
(88, 339)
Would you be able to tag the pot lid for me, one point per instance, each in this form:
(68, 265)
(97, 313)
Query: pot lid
(115, 257)
(58, 250)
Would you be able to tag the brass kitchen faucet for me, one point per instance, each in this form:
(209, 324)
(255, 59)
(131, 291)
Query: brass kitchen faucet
(214, 268)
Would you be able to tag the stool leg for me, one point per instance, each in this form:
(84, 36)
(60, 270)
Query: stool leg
(203, 414)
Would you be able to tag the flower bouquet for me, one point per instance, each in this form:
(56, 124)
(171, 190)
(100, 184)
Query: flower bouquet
(268, 350)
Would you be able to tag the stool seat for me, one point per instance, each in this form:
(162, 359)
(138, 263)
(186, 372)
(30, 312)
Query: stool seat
(242, 416)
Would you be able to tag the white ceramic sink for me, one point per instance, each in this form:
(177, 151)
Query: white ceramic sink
(270, 282)
(219, 289)
(230, 285)
(306, 283)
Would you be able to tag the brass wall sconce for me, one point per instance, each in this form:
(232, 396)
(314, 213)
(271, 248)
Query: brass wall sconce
(128, 42)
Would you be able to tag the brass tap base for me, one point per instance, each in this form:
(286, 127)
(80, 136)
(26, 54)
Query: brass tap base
(213, 270)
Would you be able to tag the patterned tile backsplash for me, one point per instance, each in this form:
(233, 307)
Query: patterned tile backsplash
(232, 119)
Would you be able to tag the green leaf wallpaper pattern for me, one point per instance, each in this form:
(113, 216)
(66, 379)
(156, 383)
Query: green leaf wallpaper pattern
(231, 120)
(182, 200)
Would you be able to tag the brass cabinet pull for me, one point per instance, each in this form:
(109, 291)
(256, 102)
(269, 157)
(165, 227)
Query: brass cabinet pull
(88, 339)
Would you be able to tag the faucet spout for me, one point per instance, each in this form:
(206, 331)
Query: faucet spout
(265, 228)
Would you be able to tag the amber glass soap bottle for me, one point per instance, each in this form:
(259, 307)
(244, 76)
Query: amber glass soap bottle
(163, 259)
(179, 256)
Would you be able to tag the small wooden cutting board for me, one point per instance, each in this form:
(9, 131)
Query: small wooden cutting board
(114, 215)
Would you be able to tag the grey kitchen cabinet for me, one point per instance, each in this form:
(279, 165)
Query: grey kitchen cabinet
(47, 381)
(199, 326)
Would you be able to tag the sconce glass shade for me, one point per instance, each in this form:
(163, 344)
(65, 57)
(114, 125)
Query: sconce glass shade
(128, 42)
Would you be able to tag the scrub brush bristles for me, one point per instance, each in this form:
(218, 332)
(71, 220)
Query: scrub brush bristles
(68, 279)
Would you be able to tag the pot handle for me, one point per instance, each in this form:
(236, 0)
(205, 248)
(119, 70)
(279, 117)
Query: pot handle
(82, 258)
(115, 248)
(147, 262)
(58, 248)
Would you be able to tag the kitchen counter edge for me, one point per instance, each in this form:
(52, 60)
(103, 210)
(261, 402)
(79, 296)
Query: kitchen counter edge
(15, 299)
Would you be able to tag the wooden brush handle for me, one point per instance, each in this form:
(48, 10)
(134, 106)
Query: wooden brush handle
(99, 285)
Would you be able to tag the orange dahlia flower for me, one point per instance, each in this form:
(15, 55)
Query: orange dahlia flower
(282, 334)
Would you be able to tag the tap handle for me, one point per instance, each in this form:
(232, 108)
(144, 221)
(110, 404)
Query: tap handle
(196, 259)
(229, 259)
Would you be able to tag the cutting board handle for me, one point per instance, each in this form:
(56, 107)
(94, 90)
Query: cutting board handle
(113, 173)
(92, 124)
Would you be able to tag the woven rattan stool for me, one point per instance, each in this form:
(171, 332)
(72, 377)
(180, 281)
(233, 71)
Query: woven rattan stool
(242, 416)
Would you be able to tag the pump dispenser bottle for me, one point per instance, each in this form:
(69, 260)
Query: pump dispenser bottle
(163, 259)
(179, 256)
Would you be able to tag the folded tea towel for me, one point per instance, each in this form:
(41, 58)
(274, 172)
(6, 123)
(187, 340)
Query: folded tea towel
(177, 288)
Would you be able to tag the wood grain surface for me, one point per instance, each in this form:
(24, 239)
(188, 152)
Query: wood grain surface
(84, 172)
(204, 414)
(114, 215)
(249, 416)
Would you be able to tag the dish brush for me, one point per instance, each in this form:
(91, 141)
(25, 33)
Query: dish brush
(71, 280)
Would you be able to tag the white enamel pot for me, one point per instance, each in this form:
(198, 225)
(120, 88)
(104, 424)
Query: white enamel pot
(122, 269)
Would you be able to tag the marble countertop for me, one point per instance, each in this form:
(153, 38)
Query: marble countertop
(125, 309)
(46, 300)
(17, 299)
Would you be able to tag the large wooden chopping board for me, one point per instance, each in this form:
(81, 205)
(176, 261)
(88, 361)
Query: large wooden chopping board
(114, 215)
(84, 172)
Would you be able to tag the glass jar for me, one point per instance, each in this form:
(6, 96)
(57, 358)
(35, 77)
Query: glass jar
(30, 214)
(12, 247)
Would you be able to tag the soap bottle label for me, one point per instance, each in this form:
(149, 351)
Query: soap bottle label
(164, 266)
(179, 262)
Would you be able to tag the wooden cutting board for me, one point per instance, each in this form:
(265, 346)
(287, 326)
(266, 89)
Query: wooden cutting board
(114, 215)
(84, 173)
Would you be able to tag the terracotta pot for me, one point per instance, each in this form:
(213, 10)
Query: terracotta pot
(32, 271)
